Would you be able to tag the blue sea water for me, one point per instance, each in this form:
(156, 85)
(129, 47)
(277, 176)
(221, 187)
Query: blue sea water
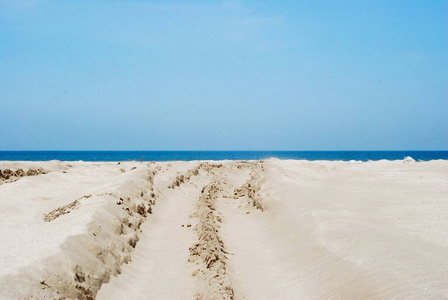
(216, 155)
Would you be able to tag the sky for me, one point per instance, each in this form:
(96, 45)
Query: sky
(223, 75)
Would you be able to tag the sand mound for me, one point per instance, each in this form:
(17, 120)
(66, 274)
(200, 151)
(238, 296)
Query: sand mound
(408, 159)
(106, 226)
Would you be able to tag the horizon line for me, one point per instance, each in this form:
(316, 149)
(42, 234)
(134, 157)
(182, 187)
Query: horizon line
(419, 150)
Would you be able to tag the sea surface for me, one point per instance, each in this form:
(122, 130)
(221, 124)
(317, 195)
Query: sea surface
(217, 155)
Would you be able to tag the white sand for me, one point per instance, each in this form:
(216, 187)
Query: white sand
(246, 230)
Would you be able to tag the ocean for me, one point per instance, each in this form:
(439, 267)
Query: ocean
(217, 155)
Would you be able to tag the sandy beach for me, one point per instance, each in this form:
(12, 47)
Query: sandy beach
(268, 229)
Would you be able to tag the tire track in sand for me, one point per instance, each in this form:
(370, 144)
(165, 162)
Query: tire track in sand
(209, 254)
(158, 269)
(173, 259)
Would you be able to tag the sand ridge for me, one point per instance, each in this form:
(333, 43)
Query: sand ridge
(209, 253)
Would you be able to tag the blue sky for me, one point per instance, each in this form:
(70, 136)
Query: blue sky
(223, 75)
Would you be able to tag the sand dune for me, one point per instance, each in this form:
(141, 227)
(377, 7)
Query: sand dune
(272, 229)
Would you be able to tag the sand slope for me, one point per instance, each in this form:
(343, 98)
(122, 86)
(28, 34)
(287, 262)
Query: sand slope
(279, 229)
